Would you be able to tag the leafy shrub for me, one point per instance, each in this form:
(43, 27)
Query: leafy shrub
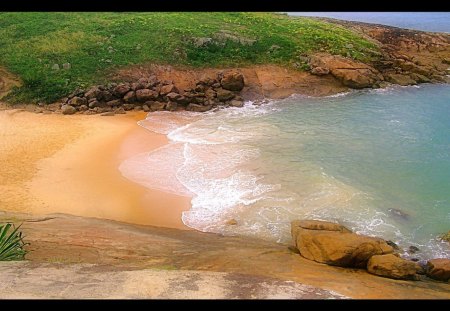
(11, 243)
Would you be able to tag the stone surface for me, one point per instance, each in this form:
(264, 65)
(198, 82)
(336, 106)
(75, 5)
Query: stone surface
(68, 109)
(236, 103)
(391, 266)
(78, 101)
(438, 269)
(224, 95)
(351, 73)
(337, 246)
(156, 106)
(129, 96)
(320, 71)
(166, 89)
(198, 108)
(232, 81)
(121, 90)
(144, 95)
(401, 79)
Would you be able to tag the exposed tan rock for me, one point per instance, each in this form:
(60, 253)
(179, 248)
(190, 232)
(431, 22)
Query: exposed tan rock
(198, 108)
(400, 79)
(144, 95)
(68, 109)
(232, 81)
(439, 269)
(337, 246)
(351, 73)
(320, 71)
(224, 95)
(393, 267)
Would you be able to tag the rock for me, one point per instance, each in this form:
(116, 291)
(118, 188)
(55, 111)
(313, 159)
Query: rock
(92, 93)
(166, 89)
(438, 269)
(55, 67)
(237, 103)
(104, 96)
(115, 102)
(128, 107)
(393, 267)
(156, 106)
(174, 96)
(413, 249)
(215, 85)
(83, 108)
(445, 237)
(394, 245)
(107, 114)
(119, 110)
(398, 213)
(121, 90)
(231, 222)
(232, 81)
(144, 95)
(224, 95)
(400, 79)
(200, 88)
(198, 108)
(78, 101)
(210, 94)
(419, 78)
(294, 249)
(334, 244)
(146, 108)
(95, 103)
(68, 109)
(207, 81)
(130, 96)
(320, 71)
(351, 73)
(171, 106)
(66, 66)
(137, 108)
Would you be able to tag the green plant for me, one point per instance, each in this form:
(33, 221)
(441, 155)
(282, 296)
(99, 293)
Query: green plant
(11, 243)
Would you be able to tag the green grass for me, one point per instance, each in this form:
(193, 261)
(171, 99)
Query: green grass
(95, 44)
(11, 243)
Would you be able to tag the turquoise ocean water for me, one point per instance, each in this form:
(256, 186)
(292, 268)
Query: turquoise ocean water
(377, 161)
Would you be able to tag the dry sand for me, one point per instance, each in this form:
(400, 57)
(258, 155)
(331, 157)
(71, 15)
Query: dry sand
(69, 164)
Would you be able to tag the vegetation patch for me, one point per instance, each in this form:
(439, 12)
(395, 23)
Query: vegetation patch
(56, 53)
(11, 243)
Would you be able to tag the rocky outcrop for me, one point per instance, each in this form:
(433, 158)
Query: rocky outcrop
(335, 245)
(151, 94)
(393, 267)
(350, 72)
(438, 269)
(232, 81)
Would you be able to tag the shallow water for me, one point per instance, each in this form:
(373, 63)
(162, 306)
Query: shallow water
(377, 161)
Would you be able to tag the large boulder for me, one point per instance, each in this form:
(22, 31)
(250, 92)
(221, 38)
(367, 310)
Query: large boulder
(334, 244)
(92, 93)
(144, 95)
(438, 269)
(393, 267)
(350, 72)
(155, 106)
(232, 81)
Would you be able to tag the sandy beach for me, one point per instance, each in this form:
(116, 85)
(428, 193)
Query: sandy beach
(51, 163)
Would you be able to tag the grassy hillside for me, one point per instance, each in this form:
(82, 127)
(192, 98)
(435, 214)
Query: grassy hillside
(96, 43)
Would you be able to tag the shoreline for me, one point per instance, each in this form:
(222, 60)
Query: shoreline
(76, 170)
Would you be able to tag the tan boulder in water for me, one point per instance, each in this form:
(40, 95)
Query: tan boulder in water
(334, 244)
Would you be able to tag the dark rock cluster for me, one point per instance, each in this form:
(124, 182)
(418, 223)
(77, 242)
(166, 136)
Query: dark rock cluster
(151, 94)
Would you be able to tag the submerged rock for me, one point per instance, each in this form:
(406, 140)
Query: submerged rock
(398, 213)
(438, 269)
(393, 267)
(334, 244)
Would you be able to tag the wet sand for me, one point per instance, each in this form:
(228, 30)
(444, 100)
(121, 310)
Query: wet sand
(69, 164)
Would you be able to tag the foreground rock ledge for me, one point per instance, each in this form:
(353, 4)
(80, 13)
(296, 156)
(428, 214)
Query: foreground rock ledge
(393, 267)
(335, 245)
(439, 269)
